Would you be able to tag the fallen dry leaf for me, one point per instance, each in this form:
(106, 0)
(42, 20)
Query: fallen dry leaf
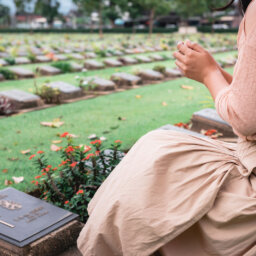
(72, 135)
(18, 180)
(138, 96)
(187, 87)
(56, 141)
(13, 159)
(54, 124)
(92, 137)
(4, 171)
(8, 182)
(24, 152)
(164, 104)
(55, 148)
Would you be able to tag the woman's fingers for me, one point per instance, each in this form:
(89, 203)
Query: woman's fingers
(179, 56)
(183, 48)
(194, 46)
(181, 66)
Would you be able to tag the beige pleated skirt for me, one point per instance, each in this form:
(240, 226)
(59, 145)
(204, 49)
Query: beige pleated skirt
(179, 195)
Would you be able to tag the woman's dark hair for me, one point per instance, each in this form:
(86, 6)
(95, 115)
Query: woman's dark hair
(243, 5)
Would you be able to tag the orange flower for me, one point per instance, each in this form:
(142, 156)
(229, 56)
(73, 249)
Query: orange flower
(89, 156)
(73, 164)
(38, 177)
(65, 134)
(40, 152)
(80, 191)
(69, 149)
(32, 156)
(96, 142)
(118, 141)
(66, 202)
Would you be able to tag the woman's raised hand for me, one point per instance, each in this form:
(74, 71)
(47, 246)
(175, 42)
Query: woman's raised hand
(194, 61)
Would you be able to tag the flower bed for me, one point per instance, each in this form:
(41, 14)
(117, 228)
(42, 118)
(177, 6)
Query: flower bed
(72, 184)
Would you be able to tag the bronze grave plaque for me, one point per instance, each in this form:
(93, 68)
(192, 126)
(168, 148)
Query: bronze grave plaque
(24, 218)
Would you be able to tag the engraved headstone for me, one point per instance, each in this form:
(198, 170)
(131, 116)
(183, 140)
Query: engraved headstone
(93, 64)
(170, 127)
(76, 67)
(61, 57)
(42, 59)
(25, 220)
(128, 60)
(48, 71)
(150, 75)
(124, 79)
(3, 62)
(209, 119)
(90, 55)
(99, 84)
(77, 56)
(118, 53)
(172, 73)
(21, 99)
(1, 77)
(144, 59)
(113, 63)
(22, 60)
(22, 72)
(157, 57)
(67, 91)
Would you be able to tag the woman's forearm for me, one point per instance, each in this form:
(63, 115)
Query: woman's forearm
(216, 81)
(227, 76)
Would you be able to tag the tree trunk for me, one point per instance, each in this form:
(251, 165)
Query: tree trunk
(151, 21)
(100, 23)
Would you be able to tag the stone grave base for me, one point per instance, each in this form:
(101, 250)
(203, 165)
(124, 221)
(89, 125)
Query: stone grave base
(52, 244)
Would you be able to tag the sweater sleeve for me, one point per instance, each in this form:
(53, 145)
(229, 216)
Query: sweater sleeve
(236, 104)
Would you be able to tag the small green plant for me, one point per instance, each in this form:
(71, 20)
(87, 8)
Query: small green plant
(65, 67)
(160, 69)
(82, 170)
(10, 60)
(86, 84)
(48, 94)
(6, 107)
(8, 74)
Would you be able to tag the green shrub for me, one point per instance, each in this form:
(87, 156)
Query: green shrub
(80, 173)
(48, 94)
(8, 74)
(160, 69)
(65, 67)
(10, 60)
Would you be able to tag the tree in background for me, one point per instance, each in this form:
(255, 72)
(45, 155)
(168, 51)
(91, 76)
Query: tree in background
(48, 8)
(154, 7)
(4, 15)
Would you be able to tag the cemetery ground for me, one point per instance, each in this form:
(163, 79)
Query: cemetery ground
(125, 115)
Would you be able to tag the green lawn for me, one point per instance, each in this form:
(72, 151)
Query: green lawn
(99, 115)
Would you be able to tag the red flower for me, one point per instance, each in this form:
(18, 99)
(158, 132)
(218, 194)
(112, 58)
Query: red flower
(66, 202)
(118, 141)
(49, 166)
(32, 181)
(87, 149)
(69, 149)
(96, 142)
(46, 169)
(63, 163)
(38, 177)
(80, 191)
(65, 134)
(40, 152)
(73, 164)
(210, 132)
(32, 156)
(54, 169)
(89, 156)
(43, 173)
(97, 153)
(36, 183)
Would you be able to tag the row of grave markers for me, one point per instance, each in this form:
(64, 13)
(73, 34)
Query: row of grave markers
(47, 70)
